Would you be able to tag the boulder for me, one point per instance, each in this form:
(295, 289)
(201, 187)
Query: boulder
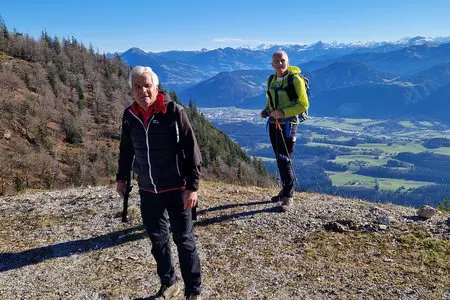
(426, 211)
(7, 135)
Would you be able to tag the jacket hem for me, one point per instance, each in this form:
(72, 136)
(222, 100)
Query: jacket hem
(163, 191)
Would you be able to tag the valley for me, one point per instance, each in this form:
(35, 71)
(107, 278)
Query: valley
(400, 161)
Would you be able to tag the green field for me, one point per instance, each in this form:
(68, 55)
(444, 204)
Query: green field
(331, 123)
(349, 179)
(407, 124)
(442, 150)
(361, 121)
(323, 136)
(326, 145)
(395, 148)
(371, 159)
(266, 159)
(341, 123)
(389, 150)
(315, 135)
(263, 146)
(426, 123)
(424, 134)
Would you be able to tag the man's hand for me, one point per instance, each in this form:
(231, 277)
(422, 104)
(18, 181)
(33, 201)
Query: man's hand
(264, 113)
(120, 188)
(190, 199)
(277, 114)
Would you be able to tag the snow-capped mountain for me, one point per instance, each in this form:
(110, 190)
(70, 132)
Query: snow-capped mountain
(406, 41)
(179, 70)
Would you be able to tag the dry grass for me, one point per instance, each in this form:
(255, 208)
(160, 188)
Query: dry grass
(4, 57)
(71, 244)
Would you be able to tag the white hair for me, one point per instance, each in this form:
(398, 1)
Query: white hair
(139, 70)
(281, 52)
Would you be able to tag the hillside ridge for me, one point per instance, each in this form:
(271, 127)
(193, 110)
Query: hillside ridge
(62, 109)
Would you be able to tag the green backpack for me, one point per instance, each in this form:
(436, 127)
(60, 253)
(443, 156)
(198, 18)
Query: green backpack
(292, 94)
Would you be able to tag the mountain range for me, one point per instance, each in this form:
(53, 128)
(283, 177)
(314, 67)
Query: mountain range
(352, 80)
(180, 69)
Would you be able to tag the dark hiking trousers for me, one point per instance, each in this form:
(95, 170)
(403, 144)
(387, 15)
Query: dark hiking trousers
(156, 224)
(283, 143)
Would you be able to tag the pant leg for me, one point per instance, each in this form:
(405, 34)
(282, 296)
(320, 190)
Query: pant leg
(156, 225)
(183, 236)
(283, 148)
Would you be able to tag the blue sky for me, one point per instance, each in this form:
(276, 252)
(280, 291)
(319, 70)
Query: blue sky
(190, 24)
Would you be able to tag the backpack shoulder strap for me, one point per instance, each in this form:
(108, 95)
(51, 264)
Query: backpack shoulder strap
(290, 88)
(269, 81)
(306, 81)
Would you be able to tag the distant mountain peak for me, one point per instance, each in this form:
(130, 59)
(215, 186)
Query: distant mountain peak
(135, 50)
(263, 46)
(417, 40)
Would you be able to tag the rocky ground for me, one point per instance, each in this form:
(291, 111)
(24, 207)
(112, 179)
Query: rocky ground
(71, 244)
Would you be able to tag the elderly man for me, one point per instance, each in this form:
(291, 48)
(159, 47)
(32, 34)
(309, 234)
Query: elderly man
(157, 139)
(286, 100)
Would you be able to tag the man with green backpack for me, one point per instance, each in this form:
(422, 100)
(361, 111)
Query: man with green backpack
(286, 106)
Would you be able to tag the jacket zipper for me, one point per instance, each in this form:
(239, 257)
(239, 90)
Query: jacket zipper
(148, 149)
(178, 142)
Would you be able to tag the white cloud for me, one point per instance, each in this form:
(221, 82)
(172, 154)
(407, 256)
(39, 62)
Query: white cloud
(238, 41)
(234, 40)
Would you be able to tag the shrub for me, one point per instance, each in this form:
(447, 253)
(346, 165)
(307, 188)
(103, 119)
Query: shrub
(72, 131)
(444, 206)
(19, 183)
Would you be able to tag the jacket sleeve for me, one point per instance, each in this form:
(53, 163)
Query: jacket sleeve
(302, 104)
(191, 152)
(126, 151)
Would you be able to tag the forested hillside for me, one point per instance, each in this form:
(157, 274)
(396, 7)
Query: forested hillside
(61, 105)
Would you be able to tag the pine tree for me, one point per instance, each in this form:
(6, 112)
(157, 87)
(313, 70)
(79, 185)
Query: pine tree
(80, 95)
(4, 33)
(192, 105)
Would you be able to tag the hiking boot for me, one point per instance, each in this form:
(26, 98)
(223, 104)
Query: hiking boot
(278, 197)
(286, 203)
(193, 297)
(168, 291)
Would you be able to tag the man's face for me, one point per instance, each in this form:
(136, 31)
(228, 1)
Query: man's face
(280, 63)
(144, 91)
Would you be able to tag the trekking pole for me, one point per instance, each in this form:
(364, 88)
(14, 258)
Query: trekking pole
(278, 126)
(194, 213)
(125, 199)
(276, 152)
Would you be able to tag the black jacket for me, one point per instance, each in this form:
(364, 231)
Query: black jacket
(166, 154)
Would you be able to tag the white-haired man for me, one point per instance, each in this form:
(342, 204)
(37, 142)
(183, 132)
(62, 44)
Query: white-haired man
(157, 134)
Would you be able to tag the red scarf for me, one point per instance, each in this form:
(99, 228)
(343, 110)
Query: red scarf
(154, 108)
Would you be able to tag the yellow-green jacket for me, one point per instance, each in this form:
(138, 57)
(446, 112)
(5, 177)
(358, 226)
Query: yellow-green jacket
(290, 108)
